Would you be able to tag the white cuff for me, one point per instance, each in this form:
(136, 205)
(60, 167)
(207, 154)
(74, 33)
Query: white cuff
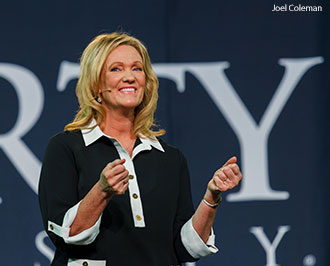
(194, 244)
(83, 238)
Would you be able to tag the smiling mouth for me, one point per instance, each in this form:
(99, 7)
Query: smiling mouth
(127, 90)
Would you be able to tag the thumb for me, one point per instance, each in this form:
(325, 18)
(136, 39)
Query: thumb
(231, 160)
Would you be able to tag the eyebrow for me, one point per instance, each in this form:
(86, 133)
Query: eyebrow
(121, 63)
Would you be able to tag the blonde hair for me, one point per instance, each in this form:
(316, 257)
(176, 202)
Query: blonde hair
(89, 82)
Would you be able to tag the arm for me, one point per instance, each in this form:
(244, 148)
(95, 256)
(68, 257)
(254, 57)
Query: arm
(57, 185)
(58, 194)
(223, 179)
(113, 180)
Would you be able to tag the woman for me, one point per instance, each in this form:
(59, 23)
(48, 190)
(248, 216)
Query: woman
(110, 192)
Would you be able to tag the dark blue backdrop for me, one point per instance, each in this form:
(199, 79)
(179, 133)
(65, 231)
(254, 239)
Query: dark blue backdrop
(236, 78)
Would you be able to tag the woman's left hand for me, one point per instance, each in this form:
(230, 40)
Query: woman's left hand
(225, 178)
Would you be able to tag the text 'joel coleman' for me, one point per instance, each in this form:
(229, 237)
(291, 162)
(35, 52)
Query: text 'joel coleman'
(296, 8)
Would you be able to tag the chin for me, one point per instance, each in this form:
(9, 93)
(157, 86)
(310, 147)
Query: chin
(130, 105)
(133, 104)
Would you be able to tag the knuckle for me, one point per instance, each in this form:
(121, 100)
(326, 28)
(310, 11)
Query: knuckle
(110, 173)
(227, 170)
(121, 168)
(113, 163)
(111, 184)
(106, 173)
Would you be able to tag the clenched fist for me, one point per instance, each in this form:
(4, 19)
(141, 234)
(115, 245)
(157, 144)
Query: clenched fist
(114, 178)
(226, 178)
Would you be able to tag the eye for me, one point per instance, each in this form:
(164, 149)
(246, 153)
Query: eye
(137, 69)
(114, 69)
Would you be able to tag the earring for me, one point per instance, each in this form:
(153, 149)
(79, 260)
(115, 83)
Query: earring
(98, 99)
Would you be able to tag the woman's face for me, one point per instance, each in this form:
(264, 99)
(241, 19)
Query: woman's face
(123, 79)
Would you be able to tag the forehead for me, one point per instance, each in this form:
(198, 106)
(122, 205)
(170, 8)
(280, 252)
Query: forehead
(124, 54)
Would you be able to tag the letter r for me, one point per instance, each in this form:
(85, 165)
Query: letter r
(30, 102)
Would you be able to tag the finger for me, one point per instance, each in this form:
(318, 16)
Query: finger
(115, 179)
(226, 178)
(122, 161)
(227, 170)
(229, 173)
(220, 174)
(115, 162)
(121, 186)
(230, 161)
(122, 176)
(117, 170)
(123, 189)
(219, 184)
(110, 174)
(235, 168)
(225, 185)
(233, 178)
(122, 182)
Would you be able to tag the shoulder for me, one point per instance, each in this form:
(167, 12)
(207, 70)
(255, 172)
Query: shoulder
(167, 147)
(66, 136)
(172, 151)
(175, 160)
(69, 139)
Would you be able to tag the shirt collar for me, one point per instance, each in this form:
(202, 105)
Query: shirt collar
(92, 132)
(151, 142)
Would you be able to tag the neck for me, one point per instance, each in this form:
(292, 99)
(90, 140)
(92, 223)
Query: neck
(118, 124)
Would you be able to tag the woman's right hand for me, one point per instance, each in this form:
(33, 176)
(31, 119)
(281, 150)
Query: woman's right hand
(114, 178)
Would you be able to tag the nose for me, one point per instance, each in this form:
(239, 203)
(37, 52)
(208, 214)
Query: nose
(129, 76)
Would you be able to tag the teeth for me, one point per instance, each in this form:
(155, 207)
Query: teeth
(128, 89)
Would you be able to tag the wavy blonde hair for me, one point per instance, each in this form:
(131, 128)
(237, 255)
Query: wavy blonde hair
(89, 82)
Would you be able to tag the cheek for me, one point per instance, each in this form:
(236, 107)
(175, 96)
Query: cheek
(141, 96)
(142, 79)
(111, 80)
(142, 83)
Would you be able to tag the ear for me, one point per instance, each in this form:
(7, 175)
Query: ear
(99, 91)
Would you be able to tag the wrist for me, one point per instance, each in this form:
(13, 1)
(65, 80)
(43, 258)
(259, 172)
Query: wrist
(104, 188)
(213, 197)
(212, 205)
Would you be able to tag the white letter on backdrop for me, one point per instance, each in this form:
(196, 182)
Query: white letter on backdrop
(30, 103)
(253, 138)
(270, 248)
